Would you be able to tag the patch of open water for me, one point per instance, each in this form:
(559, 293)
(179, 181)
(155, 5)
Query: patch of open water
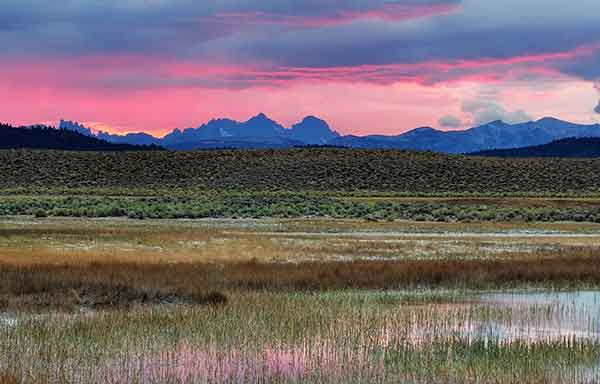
(8, 322)
(560, 315)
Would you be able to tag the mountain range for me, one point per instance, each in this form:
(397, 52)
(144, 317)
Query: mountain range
(494, 135)
(258, 132)
(262, 132)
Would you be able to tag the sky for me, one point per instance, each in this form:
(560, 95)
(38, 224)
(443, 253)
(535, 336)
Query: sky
(365, 66)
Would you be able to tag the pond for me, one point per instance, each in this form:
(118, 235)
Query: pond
(430, 337)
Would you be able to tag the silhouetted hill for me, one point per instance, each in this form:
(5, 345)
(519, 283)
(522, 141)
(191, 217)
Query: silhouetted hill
(237, 143)
(587, 147)
(130, 138)
(41, 137)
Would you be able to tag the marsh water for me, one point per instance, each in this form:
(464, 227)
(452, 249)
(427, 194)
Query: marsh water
(534, 322)
(550, 317)
(561, 316)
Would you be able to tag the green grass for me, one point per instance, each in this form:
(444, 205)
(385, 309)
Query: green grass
(343, 337)
(289, 205)
(90, 301)
(91, 297)
(327, 182)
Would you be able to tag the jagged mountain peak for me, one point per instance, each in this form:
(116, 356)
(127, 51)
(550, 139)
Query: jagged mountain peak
(312, 119)
(495, 123)
(423, 130)
(314, 131)
(75, 127)
(548, 119)
(262, 131)
(311, 122)
(220, 121)
(261, 117)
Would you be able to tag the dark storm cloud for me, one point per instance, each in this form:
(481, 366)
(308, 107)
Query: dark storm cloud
(87, 26)
(478, 30)
(347, 46)
(310, 33)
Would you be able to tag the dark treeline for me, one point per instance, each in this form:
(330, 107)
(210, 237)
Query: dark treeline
(586, 147)
(43, 137)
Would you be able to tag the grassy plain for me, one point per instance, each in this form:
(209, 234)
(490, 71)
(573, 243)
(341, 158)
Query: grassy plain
(75, 260)
(295, 300)
(305, 265)
(298, 183)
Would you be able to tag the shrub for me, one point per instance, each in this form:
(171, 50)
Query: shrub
(40, 213)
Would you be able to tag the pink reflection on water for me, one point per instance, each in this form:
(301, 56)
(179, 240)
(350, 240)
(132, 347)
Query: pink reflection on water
(185, 364)
(314, 357)
(348, 346)
(291, 363)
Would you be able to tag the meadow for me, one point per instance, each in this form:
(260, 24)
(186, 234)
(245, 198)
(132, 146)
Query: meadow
(298, 266)
(298, 300)
(298, 183)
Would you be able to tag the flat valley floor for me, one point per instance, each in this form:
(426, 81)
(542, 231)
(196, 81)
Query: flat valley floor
(298, 300)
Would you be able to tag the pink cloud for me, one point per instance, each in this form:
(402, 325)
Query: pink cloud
(490, 69)
(399, 12)
(146, 72)
(387, 12)
(135, 93)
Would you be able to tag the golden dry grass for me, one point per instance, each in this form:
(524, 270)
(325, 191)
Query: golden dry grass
(27, 242)
(247, 290)
(68, 286)
(45, 263)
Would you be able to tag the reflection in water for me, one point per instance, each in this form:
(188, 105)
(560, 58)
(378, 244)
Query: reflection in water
(537, 335)
(497, 320)
(546, 316)
(6, 321)
(565, 317)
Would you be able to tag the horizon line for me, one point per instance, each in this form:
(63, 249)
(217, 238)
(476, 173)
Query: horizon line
(106, 129)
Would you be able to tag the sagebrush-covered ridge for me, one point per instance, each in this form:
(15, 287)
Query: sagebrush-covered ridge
(311, 169)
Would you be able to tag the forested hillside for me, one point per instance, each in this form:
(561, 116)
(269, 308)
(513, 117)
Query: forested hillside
(41, 137)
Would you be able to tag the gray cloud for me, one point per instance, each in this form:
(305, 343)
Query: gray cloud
(482, 30)
(289, 33)
(450, 121)
(597, 86)
(485, 111)
(178, 28)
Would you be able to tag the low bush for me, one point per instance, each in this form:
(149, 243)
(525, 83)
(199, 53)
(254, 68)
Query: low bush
(284, 205)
